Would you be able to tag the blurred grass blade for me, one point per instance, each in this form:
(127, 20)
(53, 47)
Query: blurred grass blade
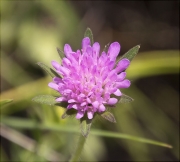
(28, 143)
(6, 101)
(129, 137)
(88, 33)
(49, 70)
(45, 99)
(30, 124)
(154, 63)
(130, 54)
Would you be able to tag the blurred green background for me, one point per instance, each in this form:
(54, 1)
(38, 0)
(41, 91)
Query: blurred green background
(30, 33)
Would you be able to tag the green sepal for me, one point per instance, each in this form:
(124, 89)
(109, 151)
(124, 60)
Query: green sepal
(6, 101)
(61, 53)
(88, 33)
(85, 125)
(130, 54)
(68, 113)
(49, 70)
(106, 47)
(108, 116)
(125, 99)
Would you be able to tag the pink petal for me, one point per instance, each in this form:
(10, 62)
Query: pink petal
(112, 101)
(80, 114)
(106, 96)
(53, 86)
(85, 42)
(75, 106)
(82, 95)
(88, 100)
(55, 65)
(69, 106)
(95, 104)
(112, 75)
(60, 99)
(122, 65)
(67, 91)
(111, 65)
(57, 80)
(64, 70)
(102, 108)
(113, 50)
(124, 84)
(67, 50)
(66, 62)
(89, 50)
(71, 101)
(83, 104)
(121, 76)
(117, 93)
(96, 49)
(102, 59)
(90, 114)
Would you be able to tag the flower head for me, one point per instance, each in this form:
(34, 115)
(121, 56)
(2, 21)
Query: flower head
(90, 80)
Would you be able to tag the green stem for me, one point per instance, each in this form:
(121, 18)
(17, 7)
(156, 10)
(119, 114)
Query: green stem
(75, 157)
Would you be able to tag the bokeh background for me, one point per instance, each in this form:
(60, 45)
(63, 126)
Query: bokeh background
(30, 33)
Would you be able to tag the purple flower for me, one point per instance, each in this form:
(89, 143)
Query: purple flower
(90, 79)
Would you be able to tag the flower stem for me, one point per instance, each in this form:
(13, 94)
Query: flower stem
(75, 157)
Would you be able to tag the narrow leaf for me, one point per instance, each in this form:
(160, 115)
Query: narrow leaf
(125, 99)
(129, 137)
(50, 71)
(130, 54)
(4, 102)
(108, 116)
(85, 126)
(45, 99)
(61, 53)
(106, 47)
(88, 33)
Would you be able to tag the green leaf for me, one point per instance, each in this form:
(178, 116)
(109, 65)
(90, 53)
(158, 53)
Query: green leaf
(45, 99)
(4, 102)
(108, 116)
(88, 33)
(130, 54)
(61, 53)
(50, 71)
(49, 100)
(106, 47)
(85, 126)
(125, 99)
